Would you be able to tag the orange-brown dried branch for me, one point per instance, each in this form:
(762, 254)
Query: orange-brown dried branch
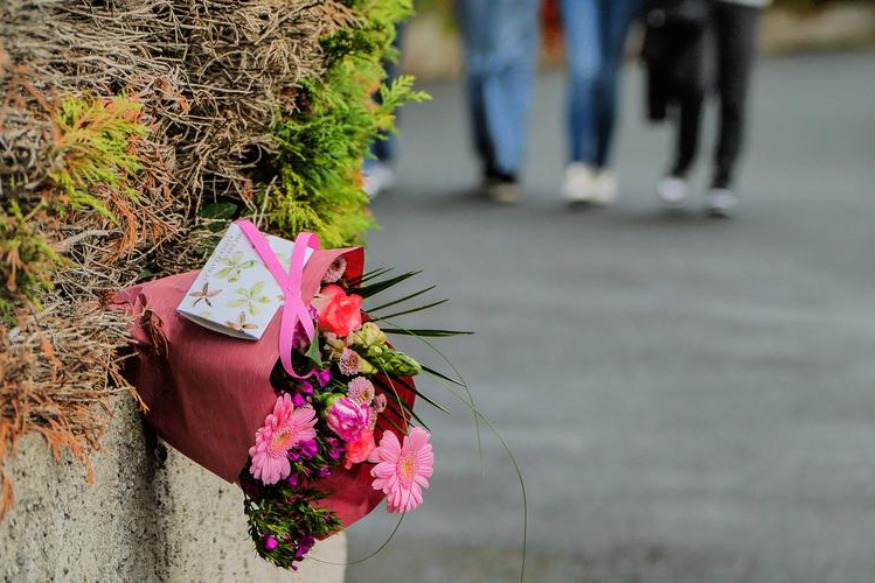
(209, 79)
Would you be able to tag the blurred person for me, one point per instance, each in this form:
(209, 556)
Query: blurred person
(674, 55)
(501, 46)
(378, 172)
(595, 38)
(733, 26)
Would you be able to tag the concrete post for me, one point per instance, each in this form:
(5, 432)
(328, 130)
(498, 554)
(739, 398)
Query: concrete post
(151, 516)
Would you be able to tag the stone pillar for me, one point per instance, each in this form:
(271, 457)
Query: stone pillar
(151, 516)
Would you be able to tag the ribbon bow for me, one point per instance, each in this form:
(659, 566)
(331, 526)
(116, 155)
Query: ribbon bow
(294, 309)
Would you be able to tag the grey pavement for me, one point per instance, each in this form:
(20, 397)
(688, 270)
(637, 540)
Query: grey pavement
(690, 400)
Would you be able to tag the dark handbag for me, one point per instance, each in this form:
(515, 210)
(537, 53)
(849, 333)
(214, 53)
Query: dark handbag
(686, 15)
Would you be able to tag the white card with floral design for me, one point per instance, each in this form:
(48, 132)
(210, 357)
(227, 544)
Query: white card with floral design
(235, 293)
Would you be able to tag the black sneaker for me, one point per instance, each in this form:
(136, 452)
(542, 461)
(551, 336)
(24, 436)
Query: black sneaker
(503, 188)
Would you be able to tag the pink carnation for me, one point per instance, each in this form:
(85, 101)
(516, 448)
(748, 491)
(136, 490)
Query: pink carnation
(361, 390)
(403, 470)
(336, 271)
(282, 430)
(348, 418)
(380, 403)
(350, 362)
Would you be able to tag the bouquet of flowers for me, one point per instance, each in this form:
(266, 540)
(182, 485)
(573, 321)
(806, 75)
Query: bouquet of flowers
(349, 414)
(315, 419)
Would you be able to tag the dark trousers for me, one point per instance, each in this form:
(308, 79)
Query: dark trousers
(734, 31)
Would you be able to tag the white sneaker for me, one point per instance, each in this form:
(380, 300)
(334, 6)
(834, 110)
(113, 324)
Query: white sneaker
(606, 188)
(378, 177)
(580, 183)
(720, 202)
(673, 192)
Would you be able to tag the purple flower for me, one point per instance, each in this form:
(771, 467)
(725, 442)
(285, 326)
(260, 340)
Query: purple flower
(302, 343)
(323, 377)
(305, 543)
(270, 543)
(298, 400)
(305, 388)
(309, 449)
(336, 448)
(324, 472)
(293, 480)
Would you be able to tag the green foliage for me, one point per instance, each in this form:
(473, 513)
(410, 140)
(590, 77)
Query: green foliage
(322, 147)
(26, 260)
(94, 154)
(94, 144)
(269, 516)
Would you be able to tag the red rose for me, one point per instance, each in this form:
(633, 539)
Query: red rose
(339, 312)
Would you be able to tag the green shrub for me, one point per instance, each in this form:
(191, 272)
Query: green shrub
(321, 148)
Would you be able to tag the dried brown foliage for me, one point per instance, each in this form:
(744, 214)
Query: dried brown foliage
(209, 77)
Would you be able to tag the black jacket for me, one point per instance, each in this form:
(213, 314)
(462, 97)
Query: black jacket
(674, 52)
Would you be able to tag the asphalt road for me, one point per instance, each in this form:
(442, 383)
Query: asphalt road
(689, 400)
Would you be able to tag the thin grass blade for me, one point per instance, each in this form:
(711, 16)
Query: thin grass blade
(400, 300)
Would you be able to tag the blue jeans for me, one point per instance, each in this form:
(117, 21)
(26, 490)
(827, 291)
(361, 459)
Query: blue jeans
(384, 146)
(595, 34)
(501, 51)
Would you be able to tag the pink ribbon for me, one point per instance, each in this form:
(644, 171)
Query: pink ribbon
(294, 308)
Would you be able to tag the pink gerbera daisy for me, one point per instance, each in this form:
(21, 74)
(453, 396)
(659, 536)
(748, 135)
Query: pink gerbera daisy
(286, 427)
(403, 470)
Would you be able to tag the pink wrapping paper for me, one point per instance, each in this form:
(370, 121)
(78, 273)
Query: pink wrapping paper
(208, 393)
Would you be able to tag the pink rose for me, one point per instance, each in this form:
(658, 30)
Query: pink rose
(348, 419)
(339, 312)
(359, 450)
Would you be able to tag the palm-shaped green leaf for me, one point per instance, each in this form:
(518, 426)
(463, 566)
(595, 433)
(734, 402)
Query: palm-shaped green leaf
(249, 298)
(234, 267)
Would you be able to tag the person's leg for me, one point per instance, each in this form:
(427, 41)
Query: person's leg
(508, 94)
(673, 189)
(581, 22)
(689, 86)
(616, 17)
(480, 131)
(474, 19)
(377, 169)
(735, 29)
(684, 75)
(689, 124)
